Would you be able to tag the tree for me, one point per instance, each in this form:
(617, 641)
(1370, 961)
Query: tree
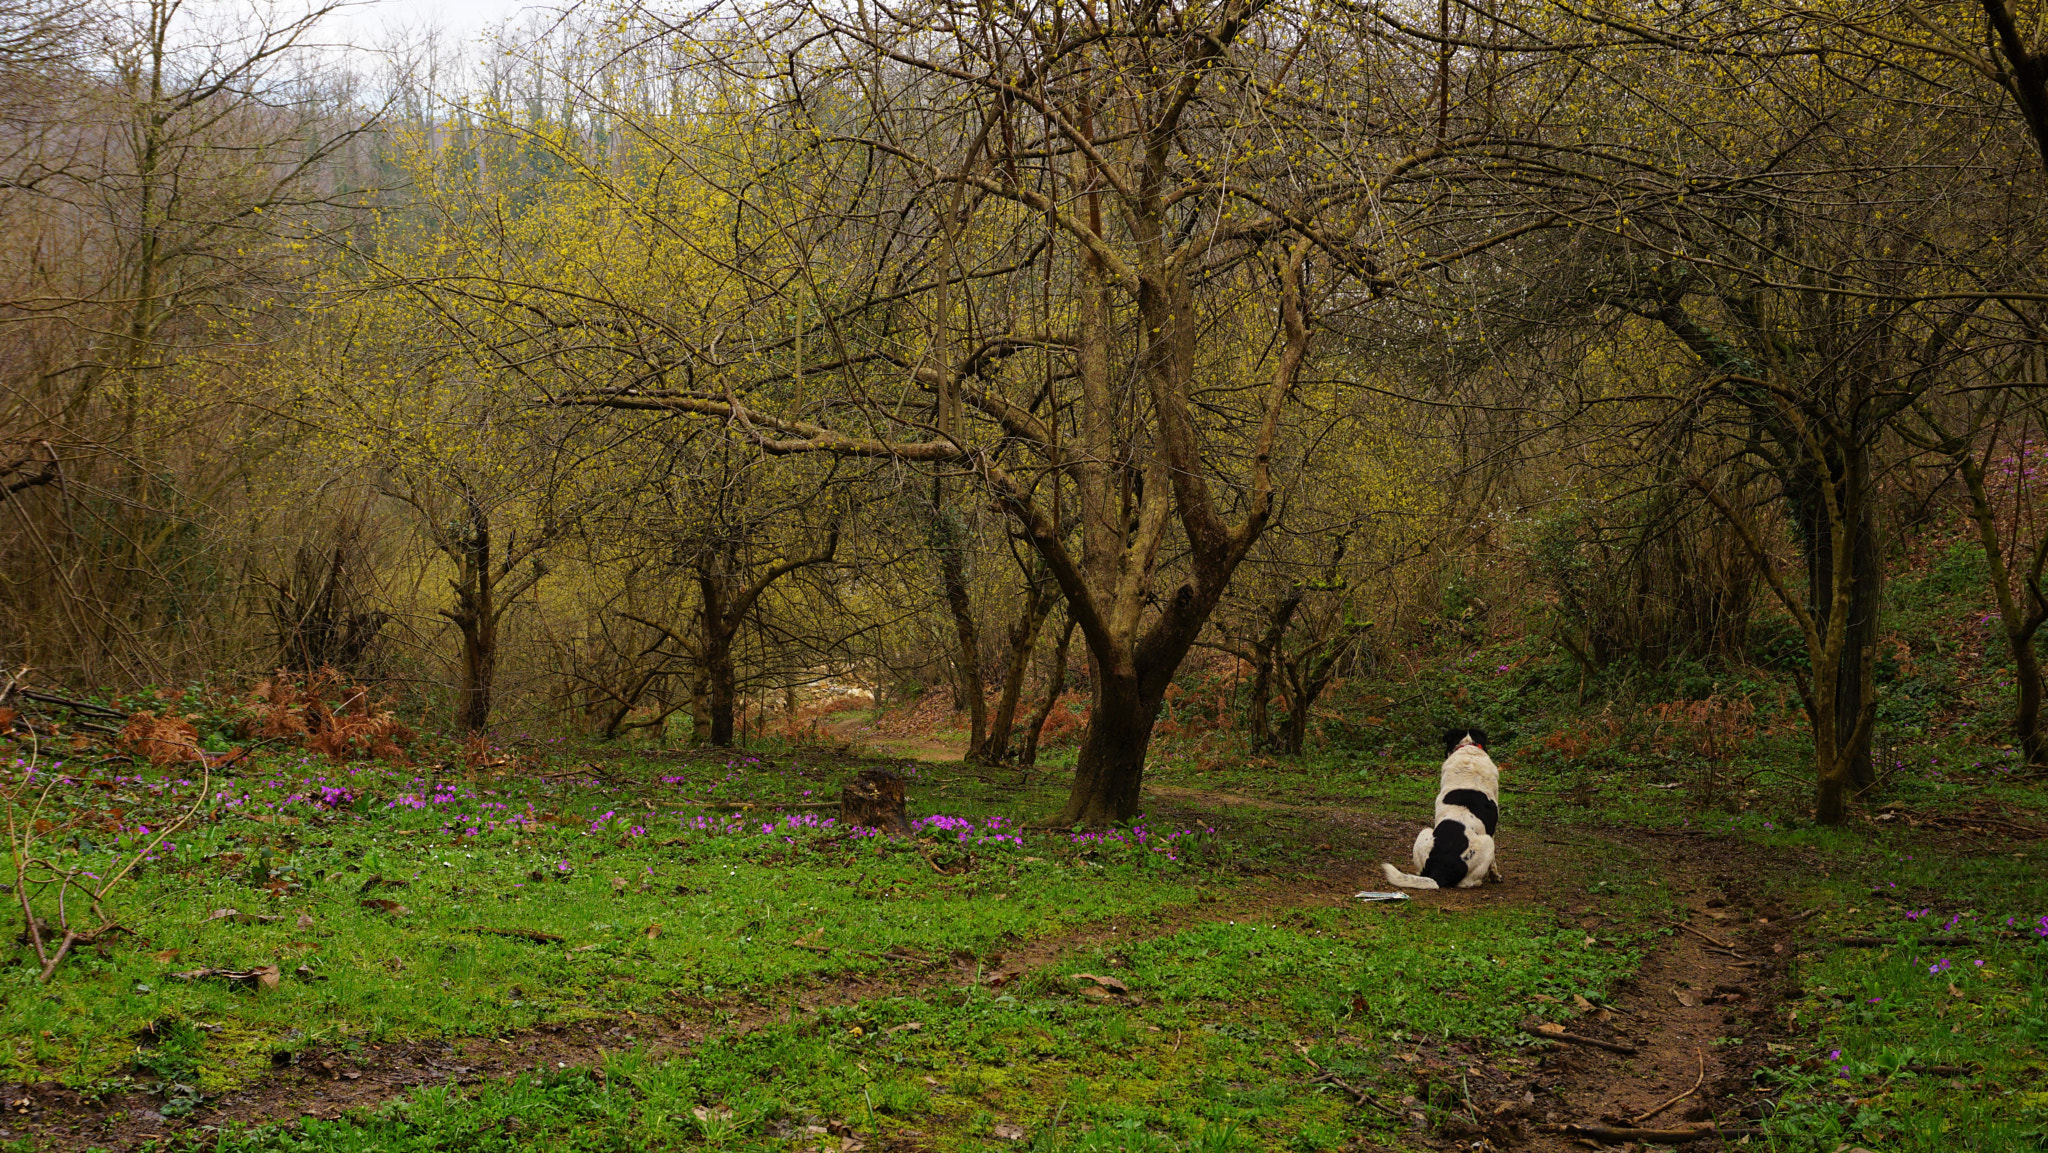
(1816, 268)
(1092, 288)
(164, 180)
(1323, 636)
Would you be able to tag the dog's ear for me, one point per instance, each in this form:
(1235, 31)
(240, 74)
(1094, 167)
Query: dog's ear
(1455, 737)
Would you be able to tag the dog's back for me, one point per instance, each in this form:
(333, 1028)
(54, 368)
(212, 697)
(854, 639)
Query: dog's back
(1459, 845)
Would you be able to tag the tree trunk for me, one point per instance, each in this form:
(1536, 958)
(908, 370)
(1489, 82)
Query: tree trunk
(700, 707)
(2021, 625)
(1259, 712)
(479, 670)
(1111, 765)
(1056, 683)
(719, 695)
(1269, 648)
(2027, 708)
(1831, 795)
(948, 540)
(476, 616)
(1294, 735)
(1853, 675)
(1023, 640)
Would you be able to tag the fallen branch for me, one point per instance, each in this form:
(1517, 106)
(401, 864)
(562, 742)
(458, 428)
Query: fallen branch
(1364, 1098)
(523, 934)
(1881, 942)
(85, 707)
(1575, 1039)
(753, 806)
(1703, 936)
(1702, 1055)
(1614, 1135)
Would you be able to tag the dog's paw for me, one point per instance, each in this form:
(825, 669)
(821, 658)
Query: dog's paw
(1494, 874)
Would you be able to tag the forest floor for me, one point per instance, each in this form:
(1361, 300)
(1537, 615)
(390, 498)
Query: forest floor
(605, 949)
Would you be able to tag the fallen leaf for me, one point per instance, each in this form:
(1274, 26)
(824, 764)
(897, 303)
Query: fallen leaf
(653, 931)
(382, 905)
(1685, 999)
(1545, 998)
(1551, 1027)
(1110, 983)
(1582, 1003)
(1008, 1132)
(906, 1027)
(618, 885)
(165, 955)
(305, 920)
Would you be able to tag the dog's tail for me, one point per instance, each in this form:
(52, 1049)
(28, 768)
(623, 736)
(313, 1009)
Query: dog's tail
(1407, 880)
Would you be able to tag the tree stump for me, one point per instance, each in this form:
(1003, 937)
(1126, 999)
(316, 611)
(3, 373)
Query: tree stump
(875, 800)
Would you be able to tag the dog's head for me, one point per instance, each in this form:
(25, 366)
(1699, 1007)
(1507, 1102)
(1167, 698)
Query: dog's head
(1456, 737)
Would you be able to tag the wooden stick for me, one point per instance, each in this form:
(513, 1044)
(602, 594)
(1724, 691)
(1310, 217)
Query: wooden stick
(1613, 1135)
(1703, 936)
(1702, 1055)
(1575, 1039)
(524, 934)
(1364, 1098)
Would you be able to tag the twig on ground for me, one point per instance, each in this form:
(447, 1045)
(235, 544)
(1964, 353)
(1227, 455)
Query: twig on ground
(527, 934)
(1881, 942)
(1363, 1097)
(1703, 936)
(1614, 1135)
(1702, 1055)
(1575, 1039)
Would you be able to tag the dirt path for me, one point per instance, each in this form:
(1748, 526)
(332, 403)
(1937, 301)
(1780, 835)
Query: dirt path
(1699, 1013)
(1689, 996)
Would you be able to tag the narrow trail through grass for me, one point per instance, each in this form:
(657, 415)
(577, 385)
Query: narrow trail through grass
(729, 974)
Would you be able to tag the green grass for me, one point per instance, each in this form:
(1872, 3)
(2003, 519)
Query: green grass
(1920, 1047)
(652, 898)
(1218, 1047)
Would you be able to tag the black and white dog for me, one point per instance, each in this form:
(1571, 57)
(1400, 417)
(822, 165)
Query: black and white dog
(1458, 852)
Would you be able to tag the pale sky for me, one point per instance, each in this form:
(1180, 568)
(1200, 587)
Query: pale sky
(368, 24)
